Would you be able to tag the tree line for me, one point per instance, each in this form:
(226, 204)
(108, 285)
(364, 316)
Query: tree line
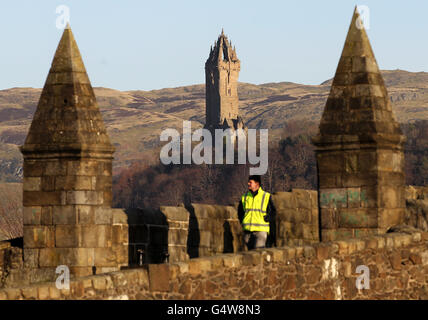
(292, 164)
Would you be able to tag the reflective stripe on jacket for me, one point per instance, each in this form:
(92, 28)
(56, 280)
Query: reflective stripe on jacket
(255, 209)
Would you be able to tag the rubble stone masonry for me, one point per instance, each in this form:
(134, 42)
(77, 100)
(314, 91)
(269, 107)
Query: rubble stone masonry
(397, 262)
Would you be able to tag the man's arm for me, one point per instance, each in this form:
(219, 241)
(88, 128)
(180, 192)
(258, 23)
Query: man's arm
(270, 211)
(271, 215)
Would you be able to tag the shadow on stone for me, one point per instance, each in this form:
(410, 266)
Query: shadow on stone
(228, 238)
(193, 237)
(148, 236)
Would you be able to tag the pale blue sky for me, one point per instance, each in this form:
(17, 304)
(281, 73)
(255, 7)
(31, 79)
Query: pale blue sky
(148, 45)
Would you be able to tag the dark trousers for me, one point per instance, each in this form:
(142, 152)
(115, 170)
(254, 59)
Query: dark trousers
(255, 239)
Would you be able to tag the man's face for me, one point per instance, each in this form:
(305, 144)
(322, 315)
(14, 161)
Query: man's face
(253, 186)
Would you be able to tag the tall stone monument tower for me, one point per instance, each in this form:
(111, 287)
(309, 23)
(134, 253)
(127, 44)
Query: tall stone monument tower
(359, 148)
(67, 187)
(221, 83)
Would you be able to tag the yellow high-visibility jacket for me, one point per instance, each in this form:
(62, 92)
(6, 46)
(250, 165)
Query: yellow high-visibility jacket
(255, 210)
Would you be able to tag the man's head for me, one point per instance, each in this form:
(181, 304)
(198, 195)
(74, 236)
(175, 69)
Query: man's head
(254, 182)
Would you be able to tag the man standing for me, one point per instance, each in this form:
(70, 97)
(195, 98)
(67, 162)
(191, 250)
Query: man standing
(257, 215)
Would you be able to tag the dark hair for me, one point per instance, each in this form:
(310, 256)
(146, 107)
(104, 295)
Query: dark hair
(256, 178)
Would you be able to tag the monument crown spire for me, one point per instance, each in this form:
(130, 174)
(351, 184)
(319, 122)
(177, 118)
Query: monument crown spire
(221, 85)
(223, 50)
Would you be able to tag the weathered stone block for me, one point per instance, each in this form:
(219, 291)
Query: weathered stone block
(82, 168)
(103, 215)
(99, 282)
(105, 257)
(336, 234)
(322, 251)
(73, 182)
(48, 183)
(175, 213)
(67, 236)
(52, 257)
(333, 198)
(389, 197)
(120, 234)
(85, 214)
(119, 279)
(390, 217)
(367, 161)
(329, 180)
(46, 216)
(308, 252)
(310, 232)
(205, 238)
(303, 198)
(368, 197)
(330, 163)
(119, 216)
(32, 215)
(357, 218)
(85, 197)
(38, 237)
(41, 198)
(159, 276)
(284, 200)
(121, 252)
(232, 261)
(79, 272)
(54, 168)
(351, 162)
(329, 218)
(94, 236)
(55, 293)
(401, 240)
(31, 258)
(343, 247)
(64, 215)
(33, 168)
(43, 292)
(32, 183)
(48, 257)
(276, 254)
(251, 258)
(390, 161)
(299, 251)
(177, 236)
(199, 265)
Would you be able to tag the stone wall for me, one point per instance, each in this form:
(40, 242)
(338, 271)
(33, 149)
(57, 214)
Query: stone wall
(16, 271)
(296, 217)
(398, 265)
(417, 207)
(213, 229)
(156, 235)
(147, 235)
(175, 234)
(204, 230)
